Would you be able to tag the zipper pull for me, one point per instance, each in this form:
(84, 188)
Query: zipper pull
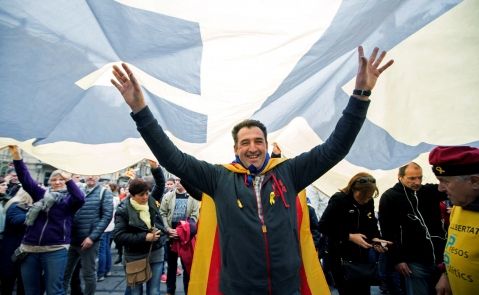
(239, 203)
(263, 228)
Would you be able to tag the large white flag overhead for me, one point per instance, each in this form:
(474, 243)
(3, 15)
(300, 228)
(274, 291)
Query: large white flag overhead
(206, 65)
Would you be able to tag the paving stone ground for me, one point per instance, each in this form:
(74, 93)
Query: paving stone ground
(116, 285)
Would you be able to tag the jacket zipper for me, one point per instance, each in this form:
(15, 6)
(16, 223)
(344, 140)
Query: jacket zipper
(264, 231)
(357, 224)
(400, 235)
(64, 231)
(268, 261)
(43, 229)
(357, 219)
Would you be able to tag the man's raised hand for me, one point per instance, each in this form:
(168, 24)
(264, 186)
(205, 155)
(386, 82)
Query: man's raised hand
(370, 69)
(129, 87)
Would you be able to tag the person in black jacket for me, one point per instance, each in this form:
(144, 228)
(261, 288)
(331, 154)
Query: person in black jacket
(410, 216)
(313, 224)
(352, 230)
(255, 196)
(12, 181)
(138, 224)
(16, 211)
(156, 182)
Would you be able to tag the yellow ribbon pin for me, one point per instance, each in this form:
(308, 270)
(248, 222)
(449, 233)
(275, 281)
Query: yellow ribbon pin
(440, 170)
(271, 198)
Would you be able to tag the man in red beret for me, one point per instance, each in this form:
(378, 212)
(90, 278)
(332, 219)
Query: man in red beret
(457, 169)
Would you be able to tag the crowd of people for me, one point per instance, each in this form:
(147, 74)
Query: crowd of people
(52, 235)
(255, 233)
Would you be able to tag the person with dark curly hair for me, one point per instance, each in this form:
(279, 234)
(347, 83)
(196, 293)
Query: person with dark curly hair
(139, 228)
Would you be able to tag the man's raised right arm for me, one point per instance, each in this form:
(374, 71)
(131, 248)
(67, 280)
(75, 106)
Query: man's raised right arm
(168, 155)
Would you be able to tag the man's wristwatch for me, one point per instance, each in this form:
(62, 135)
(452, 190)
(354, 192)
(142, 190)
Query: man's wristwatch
(362, 92)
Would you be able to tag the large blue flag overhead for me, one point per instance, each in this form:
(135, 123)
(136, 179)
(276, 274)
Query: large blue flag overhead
(47, 46)
(205, 66)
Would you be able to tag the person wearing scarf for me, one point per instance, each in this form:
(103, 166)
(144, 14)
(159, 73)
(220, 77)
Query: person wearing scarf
(256, 214)
(48, 227)
(139, 227)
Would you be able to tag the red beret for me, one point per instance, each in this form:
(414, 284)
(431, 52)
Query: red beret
(454, 160)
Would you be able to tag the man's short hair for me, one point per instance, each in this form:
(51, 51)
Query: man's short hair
(150, 180)
(170, 179)
(249, 123)
(10, 170)
(402, 169)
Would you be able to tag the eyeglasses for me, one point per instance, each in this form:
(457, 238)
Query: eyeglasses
(365, 179)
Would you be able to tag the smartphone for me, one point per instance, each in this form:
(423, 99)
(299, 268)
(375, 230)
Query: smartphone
(382, 244)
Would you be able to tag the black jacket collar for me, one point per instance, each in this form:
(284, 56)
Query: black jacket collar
(474, 206)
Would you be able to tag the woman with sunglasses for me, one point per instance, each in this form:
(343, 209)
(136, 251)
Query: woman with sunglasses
(351, 228)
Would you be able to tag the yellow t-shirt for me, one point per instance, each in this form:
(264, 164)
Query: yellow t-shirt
(462, 251)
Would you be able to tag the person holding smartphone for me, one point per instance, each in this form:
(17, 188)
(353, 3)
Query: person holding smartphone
(352, 231)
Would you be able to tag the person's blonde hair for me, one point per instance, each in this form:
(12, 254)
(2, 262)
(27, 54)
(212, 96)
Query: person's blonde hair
(21, 197)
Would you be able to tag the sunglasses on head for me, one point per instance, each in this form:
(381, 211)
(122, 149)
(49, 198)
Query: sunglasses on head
(365, 179)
